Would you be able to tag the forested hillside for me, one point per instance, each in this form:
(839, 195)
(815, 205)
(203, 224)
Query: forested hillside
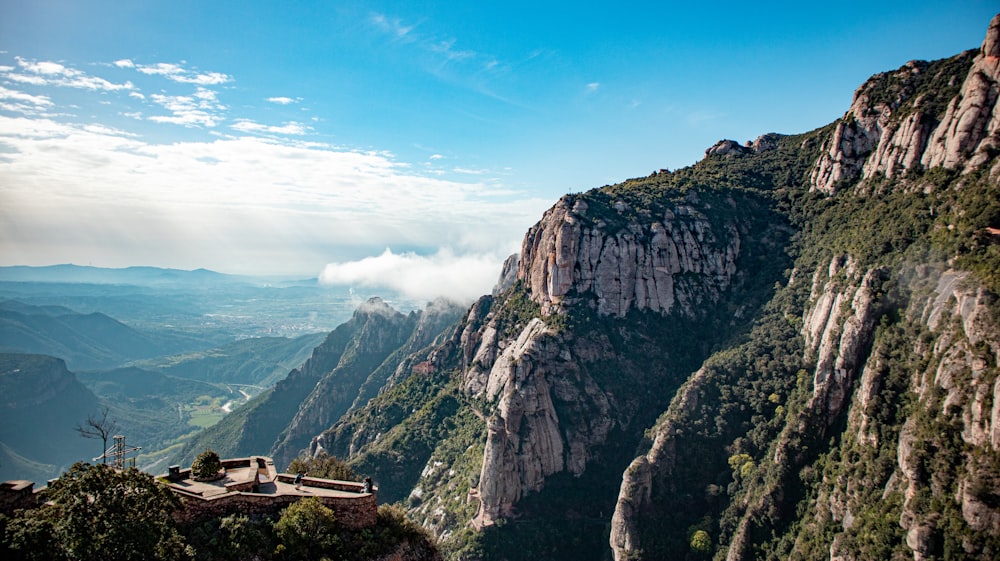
(786, 350)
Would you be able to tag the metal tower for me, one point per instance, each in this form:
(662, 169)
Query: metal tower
(117, 453)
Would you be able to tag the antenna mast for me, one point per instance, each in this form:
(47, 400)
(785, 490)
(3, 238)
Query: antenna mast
(118, 451)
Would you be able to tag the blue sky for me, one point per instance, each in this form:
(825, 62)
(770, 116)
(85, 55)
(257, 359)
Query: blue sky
(395, 140)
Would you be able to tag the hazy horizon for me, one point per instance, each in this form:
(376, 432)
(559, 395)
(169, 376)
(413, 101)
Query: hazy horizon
(385, 142)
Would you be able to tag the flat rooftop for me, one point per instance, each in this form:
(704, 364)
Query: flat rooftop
(257, 475)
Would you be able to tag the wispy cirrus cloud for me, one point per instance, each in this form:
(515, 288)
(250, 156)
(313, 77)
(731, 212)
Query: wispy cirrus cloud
(48, 73)
(176, 72)
(443, 50)
(447, 49)
(392, 26)
(292, 127)
(200, 109)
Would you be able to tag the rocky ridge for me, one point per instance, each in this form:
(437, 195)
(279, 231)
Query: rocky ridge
(888, 135)
(944, 451)
(796, 438)
(569, 255)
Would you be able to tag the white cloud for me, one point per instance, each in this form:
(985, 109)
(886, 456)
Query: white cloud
(246, 125)
(178, 73)
(246, 204)
(593, 87)
(205, 79)
(124, 63)
(281, 100)
(435, 157)
(460, 277)
(160, 69)
(469, 171)
(21, 97)
(47, 73)
(200, 109)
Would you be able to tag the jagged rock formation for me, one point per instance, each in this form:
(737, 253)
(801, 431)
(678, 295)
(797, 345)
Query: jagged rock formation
(508, 274)
(355, 362)
(888, 130)
(526, 439)
(374, 360)
(570, 253)
(837, 328)
(762, 143)
(816, 329)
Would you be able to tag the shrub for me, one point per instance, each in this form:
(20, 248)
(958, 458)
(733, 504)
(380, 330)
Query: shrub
(207, 465)
(323, 465)
(307, 528)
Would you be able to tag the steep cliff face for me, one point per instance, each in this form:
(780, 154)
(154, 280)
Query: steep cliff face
(355, 361)
(42, 402)
(547, 399)
(837, 328)
(859, 421)
(953, 122)
(571, 255)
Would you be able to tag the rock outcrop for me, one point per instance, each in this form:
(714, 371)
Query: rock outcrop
(667, 263)
(527, 441)
(888, 131)
(837, 329)
(636, 489)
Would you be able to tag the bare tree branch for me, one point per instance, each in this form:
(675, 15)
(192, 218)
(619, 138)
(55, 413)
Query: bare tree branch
(99, 426)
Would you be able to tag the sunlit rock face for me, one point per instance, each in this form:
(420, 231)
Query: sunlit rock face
(571, 255)
(889, 134)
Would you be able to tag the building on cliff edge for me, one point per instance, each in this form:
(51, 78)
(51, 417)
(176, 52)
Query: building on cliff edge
(245, 485)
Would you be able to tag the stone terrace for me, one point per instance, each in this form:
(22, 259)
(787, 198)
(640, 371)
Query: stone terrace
(253, 486)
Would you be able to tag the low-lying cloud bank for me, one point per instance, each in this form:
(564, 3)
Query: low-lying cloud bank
(462, 278)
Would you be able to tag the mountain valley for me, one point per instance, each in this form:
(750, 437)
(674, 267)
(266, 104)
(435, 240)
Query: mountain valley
(789, 350)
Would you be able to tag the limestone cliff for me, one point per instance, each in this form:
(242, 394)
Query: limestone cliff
(890, 128)
(859, 420)
(787, 350)
(546, 409)
(571, 254)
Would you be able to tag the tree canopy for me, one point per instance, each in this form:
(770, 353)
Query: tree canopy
(97, 512)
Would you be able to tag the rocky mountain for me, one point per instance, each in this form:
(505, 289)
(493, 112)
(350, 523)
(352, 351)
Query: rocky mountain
(256, 361)
(42, 402)
(350, 366)
(880, 441)
(786, 351)
(84, 341)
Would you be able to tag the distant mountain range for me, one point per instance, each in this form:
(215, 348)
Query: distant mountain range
(84, 341)
(139, 276)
